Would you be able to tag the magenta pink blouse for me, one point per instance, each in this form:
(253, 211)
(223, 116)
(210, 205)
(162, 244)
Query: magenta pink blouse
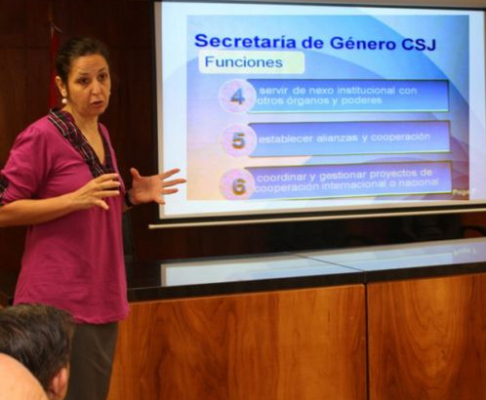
(75, 262)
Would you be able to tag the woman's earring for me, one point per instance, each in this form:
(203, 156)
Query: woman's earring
(64, 100)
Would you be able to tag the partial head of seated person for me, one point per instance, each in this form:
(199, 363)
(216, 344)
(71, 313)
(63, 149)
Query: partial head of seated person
(16, 381)
(39, 337)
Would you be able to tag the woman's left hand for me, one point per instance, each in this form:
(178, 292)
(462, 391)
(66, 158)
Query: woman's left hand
(146, 189)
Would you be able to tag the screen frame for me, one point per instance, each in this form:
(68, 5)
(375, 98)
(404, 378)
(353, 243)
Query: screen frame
(281, 216)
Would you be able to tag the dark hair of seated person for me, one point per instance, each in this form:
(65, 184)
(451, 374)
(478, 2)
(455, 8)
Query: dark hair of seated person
(39, 336)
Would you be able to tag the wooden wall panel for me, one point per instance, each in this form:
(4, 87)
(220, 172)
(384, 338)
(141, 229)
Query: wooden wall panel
(38, 67)
(305, 345)
(12, 23)
(12, 96)
(13, 110)
(427, 339)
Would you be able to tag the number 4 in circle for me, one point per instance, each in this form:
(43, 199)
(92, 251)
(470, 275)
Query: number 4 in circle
(238, 97)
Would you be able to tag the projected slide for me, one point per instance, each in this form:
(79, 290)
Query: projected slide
(277, 108)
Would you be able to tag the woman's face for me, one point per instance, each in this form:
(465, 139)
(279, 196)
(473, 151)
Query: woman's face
(88, 86)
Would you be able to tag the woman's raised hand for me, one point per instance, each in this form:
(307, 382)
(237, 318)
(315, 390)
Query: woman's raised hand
(95, 191)
(146, 189)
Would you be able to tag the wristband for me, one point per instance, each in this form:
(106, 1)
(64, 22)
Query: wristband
(128, 202)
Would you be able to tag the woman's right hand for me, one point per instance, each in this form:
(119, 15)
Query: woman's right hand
(93, 193)
(38, 211)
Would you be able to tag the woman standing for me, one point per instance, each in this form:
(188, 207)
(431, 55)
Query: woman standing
(62, 180)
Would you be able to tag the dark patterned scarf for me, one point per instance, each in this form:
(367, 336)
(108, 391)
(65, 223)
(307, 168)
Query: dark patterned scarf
(64, 122)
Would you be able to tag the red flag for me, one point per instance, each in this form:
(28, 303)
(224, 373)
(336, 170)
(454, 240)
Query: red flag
(53, 91)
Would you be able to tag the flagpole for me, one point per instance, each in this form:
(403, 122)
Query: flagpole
(54, 33)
